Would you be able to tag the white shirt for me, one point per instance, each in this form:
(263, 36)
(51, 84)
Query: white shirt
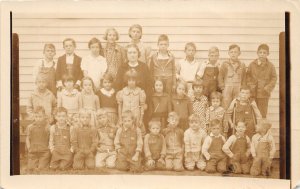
(187, 70)
(69, 59)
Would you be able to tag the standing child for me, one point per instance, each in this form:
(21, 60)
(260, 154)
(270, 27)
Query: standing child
(243, 109)
(212, 149)
(107, 98)
(174, 142)
(46, 67)
(60, 142)
(128, 144)
(237, 148)
(232, 76)
(262, 77)
(37, 141)
(160, 104)
(94, 65)
(182, 105)
(193, 140)
(69, 64)
(84, 142)
(162, 64)
(209, 71)
(155, 147)
(106, 154)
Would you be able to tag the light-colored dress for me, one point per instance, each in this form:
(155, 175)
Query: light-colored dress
(91, 103)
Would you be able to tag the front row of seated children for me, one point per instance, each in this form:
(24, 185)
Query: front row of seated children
(84, 146)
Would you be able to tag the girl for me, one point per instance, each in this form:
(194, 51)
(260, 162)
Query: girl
(107, 98)
(160, 104)
(94, 65)
(182, 105)
(90, 101)
(132, 98)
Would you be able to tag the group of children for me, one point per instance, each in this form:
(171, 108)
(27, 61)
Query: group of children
(209, 116)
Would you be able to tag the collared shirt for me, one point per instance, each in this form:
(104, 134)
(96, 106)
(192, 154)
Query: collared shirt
(151, 139)
(52, 133)
(174, 139)
(139, 142)
(115, 56)
(71, 100)
(193, 140)
(207, 142)
(215, 113)
(106, 137)
(69, 58)
(205, 64)
(265, 138)
(187, 70)
(231, 141)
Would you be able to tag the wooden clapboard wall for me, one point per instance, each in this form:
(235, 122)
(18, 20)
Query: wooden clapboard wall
(205, 29)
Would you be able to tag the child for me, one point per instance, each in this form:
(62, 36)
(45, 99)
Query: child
(193, 140)
(160, 104)
(174, 142)
(106, 154)
(232, 76)
(212, 149)
(182, 105)
(59, 142)
(37, 141)
(155, 147)
(115, 54)
(94, 65)
(243, 109)
(132, 98)
(128, 144)
(46, 67)
(135, 33)
(209, 71)
(262, 77)
(41, 96)
(107, 98)
(90, 101)
(262, 149)
(237, 148)
(69, 64)
(162, 64)
(216, 111)
(84, 142)
(187, 68)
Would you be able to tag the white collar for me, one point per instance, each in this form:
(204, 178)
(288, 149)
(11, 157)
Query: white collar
(107, 93)
(219, 135)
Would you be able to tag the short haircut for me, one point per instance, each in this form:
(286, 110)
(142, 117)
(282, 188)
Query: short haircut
(213, 49)
(215, 95)
(61, 109)
(135, 26)
(133, 46)
(69, 39)
(194, 117)
(40, 77)
(131, 74)
(264, 47)
(240, 121)
(245, 88)
(39, 109)
(173, 114)
(101, 112)
(50, 46)
(163, 37)
(154, 122)
(180, 82)
(111, 29)
(215, 122)
(84, 111)
(68, 78)
(95, 40)
(127, 113)
(107, 76)
(197, 82)
(265, 123)
(190, 44)
(232, 46)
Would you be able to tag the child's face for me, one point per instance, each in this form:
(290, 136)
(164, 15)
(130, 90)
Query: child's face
(111, 36)
(102, 119)
(87, 85)
(49, 53)
(131, 83)
(215, 102)
(180, 90)
(155, 128)
(69, 47)
(41, 84)
(173, 121)
(262, 55)
(240, 128)
(132, 54)
(39, 117)
(244, 95)
(61, 117)
(163, 46)
(69, 84)
(213, 57)
(75, 118)
(106, 84)
(234, 53)
(158, 87)
(190, 51)
(85, 118)
(198, 90)
(127, 121)
(215, 130)
(135, 34)
(95, 49)
(194, 124)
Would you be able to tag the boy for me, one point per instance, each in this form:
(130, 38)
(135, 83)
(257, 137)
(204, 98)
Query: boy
(69, 64)
(42, 97)
(59, 143)
(243, 109)
(212, 149)
(261, 77)
(209, 71)
(162, 64)
(84, 142)
(193, 140)
(128, 144)
(174, 142)
(237, 147)
(262, 149)
(155, 147)
(106, 154)
(232, 76)
(37, 141)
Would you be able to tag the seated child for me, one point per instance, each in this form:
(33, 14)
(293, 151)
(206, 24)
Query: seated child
(84, 142)
(37, 141)
(174, 142)
(212, 149)
(193, 140)
(106, 154)
(262, 149)
(155, 147)
(59, 142)
(237, 147)
(128, 144)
